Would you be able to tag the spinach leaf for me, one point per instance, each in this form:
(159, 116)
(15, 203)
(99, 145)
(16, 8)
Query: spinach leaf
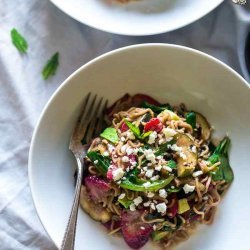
(191, 118)
(111, 135)
(100, 162)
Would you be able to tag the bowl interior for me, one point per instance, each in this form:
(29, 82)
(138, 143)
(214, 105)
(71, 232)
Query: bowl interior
(144, 17)
(169, 73)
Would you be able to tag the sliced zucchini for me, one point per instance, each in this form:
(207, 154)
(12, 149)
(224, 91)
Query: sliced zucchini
(204, 125)
(95, 211)
(185, 167)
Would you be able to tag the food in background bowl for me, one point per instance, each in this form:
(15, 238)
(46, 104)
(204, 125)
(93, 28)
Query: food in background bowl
(154, 172)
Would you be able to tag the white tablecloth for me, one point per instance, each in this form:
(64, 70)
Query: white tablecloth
(23, 92)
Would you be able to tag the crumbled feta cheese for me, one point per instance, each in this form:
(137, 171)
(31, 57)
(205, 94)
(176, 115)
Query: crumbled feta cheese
(145, 168)
(149, 173)
(149, 164)
(169, 169)
(130, 135)
(136, 150)
(123, 148)
(161, 208)
(172, 187)
(158, 168)
(155, 201)
(150, 194)
(154, 178)
(154, 227)
(169, 132)
(161, 141)
(138, 200)
(188, 188)
(194, 149)
(129, 151)
(121, 196)
(123, 138)
(197, 173)
(152, 206)
(133, 163)
(183, 156)
(152, 137)
(119, 131)
(132, 207)
(117, 174)
(125, 159)
(146, 204)
(146, 184)
(96, 161)
(163, 193)
(142, 228)
(110, 148)
(106, 153)
(149, 155)
(174, 147)
(159, 157)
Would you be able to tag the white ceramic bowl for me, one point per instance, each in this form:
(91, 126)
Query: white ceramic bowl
(144, 17)
(169, 73)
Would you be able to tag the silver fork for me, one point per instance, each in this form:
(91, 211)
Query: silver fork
(88, 125)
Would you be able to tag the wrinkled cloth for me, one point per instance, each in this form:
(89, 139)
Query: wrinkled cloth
(23, 92)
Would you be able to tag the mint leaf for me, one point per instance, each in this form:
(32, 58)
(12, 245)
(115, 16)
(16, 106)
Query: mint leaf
(51, 66)
(134, 129)
(18, 41)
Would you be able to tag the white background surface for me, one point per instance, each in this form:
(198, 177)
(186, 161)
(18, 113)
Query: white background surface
(23, 93)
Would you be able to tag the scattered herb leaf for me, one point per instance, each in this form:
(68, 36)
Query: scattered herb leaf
(51, 66)
(18, 41)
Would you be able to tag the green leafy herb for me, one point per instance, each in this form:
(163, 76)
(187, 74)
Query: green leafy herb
(158, 235)
(156, 109)
(51, 66)
(100, 162)
(164, 147)
(224, 170)
(18, 41)
(191, 118)
(172, 164)
(125, 202)
(134, 129)
(111, 135)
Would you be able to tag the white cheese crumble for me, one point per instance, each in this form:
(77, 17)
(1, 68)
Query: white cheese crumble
(123, 148)
(133, 163)
(121, 196)
(174, 147)
(146, 204)
(163, 193)
(110, 148)
(117, 174)
(123, 138)
(96, 161)
(146, 184)
(149, 173)
(150, 194)
(169, 169)
(142, 228)
(149, 155)
(130, 135)
(152, 137)
(183, 156)
(197, 173)
(194, 149)
(106, 153)
(159, 157)
(152, 206)
(125, 159)
(154, 227)
(154, 178)
(188, 188)
(161, 141)
(129, 151)
(158, 168)
(169, 132)
(161, 208)
(132, 207)
(138, 200)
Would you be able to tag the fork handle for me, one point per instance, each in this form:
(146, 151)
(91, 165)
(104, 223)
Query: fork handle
(69, 236)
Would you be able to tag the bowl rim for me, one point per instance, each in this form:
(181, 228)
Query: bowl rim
(149, 33)
(88, 64)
